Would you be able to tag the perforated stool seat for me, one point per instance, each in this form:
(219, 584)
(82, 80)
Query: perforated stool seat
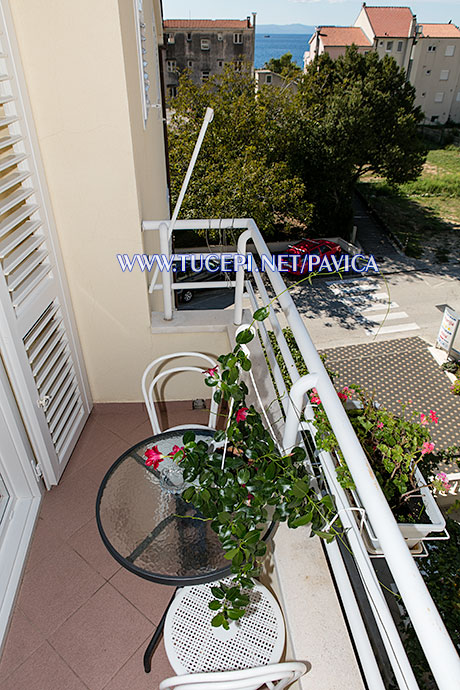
(194, 646)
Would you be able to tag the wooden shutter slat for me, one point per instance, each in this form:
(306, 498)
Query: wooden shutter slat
(15, 198)
(18, 296)
(17, 217)
(19, 235)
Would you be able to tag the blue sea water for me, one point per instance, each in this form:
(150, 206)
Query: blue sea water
(276, 45)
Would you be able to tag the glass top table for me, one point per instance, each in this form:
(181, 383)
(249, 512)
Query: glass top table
(151, 531)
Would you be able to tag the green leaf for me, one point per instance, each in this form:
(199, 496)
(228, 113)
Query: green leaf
(215, 605)
(244, 337)
(260, 314)
(224, 517)
(237, 558)
(300, 488)
(188, 494)
(234, 614)
(218, 620)
(188, 437)
(246, 364)
(229, 555)
(218, 592)
(270, 471)
(302, 520)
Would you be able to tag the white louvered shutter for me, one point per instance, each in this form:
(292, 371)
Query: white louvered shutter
(38, 339)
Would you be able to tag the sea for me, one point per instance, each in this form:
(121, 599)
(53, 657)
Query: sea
(275, 45)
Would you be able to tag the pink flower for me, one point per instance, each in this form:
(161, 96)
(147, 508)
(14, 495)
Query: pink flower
(442, 476)
(342, 396)
(423, 419)
(427, 448)
(433, 416)
(211, 372)
(315, 398)
(380, 425)
(154, 457)
(175, 450)
(241, 414)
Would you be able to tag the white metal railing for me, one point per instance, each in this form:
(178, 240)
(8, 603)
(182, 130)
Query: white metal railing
(434, 639)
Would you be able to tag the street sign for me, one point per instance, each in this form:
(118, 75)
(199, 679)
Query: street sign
(448, 329)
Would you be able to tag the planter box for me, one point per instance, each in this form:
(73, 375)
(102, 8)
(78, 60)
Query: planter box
(413, 532)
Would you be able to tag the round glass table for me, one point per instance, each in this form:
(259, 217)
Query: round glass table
(152, 531)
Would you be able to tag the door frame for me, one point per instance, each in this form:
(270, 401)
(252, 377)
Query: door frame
(26, 490)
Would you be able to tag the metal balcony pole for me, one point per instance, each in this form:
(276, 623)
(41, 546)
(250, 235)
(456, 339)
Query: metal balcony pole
(239, 287)
(166, 276)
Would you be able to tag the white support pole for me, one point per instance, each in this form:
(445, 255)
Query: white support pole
(207, 119)
(166, 276)
(239, 287)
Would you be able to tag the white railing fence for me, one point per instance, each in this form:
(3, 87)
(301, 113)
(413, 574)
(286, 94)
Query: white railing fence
(434, 639)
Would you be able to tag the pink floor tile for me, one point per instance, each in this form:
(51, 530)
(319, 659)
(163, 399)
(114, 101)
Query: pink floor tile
(101, 636)
(120, 418)
(72, 503)
(88, 544)
(46, 541)
(150, 598)
(132, 674)
(23, 639)
(43, 670)
(94, 439)
(54, 589)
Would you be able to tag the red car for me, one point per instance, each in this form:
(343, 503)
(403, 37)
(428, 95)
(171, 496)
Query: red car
(316, 249)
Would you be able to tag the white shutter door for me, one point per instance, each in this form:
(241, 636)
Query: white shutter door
(38, 339)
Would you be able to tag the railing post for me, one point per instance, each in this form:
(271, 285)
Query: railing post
(294, 413)
(166, 276)
(239, 287)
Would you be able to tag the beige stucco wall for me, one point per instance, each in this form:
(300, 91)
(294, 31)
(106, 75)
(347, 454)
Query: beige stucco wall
(105, 174)
(425, 76)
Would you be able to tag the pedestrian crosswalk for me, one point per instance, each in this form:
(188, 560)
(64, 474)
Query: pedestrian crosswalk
(371, 306)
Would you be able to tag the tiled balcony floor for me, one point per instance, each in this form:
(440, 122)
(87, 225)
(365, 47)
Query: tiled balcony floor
(81, 621)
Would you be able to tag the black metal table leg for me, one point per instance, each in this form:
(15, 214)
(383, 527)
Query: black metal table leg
(156, 637)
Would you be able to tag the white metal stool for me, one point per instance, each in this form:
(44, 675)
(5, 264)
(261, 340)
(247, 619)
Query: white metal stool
(194, 646)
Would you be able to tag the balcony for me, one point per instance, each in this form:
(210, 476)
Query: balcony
(89, 630)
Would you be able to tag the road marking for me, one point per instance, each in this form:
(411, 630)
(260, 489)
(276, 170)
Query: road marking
(392, 329)
(379, 318)
(381, 305)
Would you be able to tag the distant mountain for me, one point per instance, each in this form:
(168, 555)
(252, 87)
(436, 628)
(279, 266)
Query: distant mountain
(284, 29)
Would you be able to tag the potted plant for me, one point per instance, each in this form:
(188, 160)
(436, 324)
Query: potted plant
(241, 481)
(396, 447)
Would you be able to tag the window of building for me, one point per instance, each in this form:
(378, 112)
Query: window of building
(439, 97)
(269, 79)
(238, 65)
(444, 76)
(205, 44)
(434, 118)
(205, 75)
(424, 93)
(220, 37)
(431, 49)
(189, 37)
(238, 38)
(171, 38)
(428, 71)
(171, 65)
(389, 46)
(172, 91)
(189, 63)
(381, 43)
(450, 50)
(220, 63)
(400, 46)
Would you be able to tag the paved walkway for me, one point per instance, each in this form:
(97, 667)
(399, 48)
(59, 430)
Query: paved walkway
(401, 370)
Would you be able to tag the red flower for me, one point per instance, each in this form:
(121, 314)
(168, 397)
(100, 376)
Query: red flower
(433, 416)
(175, 450)
(241, 414)
(154, 457)
(211, 372)
(427, 447)
(315, 398)
(423, 419)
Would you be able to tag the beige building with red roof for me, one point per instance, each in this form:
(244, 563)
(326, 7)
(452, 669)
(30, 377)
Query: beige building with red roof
(203, 46)
(430, 53)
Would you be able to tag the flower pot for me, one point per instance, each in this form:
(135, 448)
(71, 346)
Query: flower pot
(413, 532)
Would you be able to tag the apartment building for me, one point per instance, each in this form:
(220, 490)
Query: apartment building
(430, 54)
(203, 46)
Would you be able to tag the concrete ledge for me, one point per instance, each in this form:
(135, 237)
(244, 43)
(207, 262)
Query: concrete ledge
(199, 321)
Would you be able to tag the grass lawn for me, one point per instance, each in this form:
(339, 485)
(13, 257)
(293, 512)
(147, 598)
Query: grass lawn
(424, 214)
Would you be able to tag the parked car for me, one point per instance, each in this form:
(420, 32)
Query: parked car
(189, 276)
(306, 247)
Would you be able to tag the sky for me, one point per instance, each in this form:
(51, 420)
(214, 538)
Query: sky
(310, 12)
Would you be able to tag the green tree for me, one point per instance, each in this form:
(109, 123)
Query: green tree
(350, 116)
(236, 174)
(284, 66)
